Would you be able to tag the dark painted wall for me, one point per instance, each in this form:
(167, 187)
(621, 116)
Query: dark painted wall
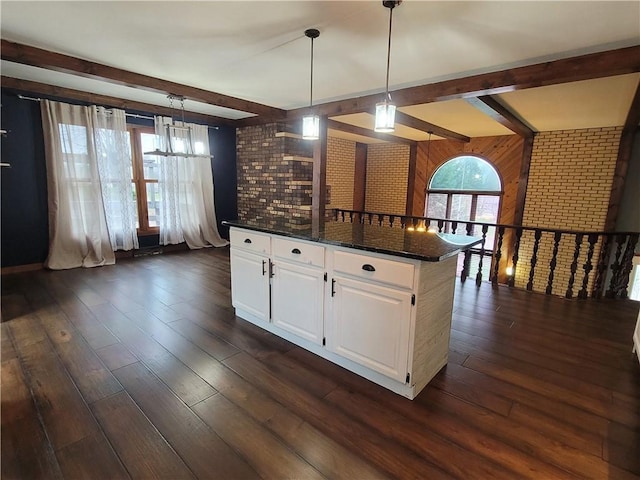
(23, 211)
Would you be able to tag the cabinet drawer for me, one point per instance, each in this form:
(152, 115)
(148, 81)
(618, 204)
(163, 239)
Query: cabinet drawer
(374, 268)
(298, 252)
(250, 241)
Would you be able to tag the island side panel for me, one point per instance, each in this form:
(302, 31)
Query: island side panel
(434, 309)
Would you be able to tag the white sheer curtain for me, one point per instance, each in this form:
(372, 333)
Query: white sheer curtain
(79, 143)
(187, 212)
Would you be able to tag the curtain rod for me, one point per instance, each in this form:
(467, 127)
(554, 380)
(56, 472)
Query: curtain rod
(132, 115)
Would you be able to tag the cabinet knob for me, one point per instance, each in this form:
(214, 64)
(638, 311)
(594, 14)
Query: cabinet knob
(247, 240)
(368, 268)
(296, 251)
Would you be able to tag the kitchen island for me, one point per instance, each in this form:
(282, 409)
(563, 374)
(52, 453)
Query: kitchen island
(375, 300)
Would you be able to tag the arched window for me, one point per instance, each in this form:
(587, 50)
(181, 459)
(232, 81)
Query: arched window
(465, 188)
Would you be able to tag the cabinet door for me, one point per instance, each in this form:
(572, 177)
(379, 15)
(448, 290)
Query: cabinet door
(250, 283)
(370, 325)
(297, 300)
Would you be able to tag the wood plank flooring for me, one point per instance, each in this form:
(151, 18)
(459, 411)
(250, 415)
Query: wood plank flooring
(141, 370)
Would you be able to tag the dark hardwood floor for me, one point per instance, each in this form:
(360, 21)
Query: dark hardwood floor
(141, 370)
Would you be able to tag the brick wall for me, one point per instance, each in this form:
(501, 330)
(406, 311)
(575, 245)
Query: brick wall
(569, 185)
(269, 184)
(340, 170)
(387, 173)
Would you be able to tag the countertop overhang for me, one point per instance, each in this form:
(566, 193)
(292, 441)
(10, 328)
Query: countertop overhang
(420, 245)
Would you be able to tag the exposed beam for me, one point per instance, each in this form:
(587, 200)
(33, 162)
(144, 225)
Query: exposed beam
(413, 122)
(622, 163)
(36, 57)
(365, 132)
(492, 107)
(27, 86)
(584, 67)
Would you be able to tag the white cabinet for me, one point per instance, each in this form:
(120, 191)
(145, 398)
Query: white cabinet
(250, 283)
(250, 272)
(370, 325)
(297, 299)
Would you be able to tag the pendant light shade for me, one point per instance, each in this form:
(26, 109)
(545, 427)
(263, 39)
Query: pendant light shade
(385, 116)
(311, 127)
(386, 110)
(311, 122)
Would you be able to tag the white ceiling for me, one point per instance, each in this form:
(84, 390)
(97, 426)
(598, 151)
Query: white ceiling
(257, 51)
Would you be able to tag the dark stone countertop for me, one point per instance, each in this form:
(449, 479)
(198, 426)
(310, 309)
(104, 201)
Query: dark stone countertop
(425, 246)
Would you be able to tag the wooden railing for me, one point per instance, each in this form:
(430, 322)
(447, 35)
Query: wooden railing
(588, 264)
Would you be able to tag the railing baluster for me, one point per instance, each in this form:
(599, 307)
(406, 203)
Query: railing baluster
(574, 265)
(534, 258)
(628, 264)
(467, 255)
(440, 225)
(554, 259)
(391, 219)
(485, 228)
(514, 259)
(603, 264)
(454, 226)
(587, 267)
(497, 257)
(615, 268)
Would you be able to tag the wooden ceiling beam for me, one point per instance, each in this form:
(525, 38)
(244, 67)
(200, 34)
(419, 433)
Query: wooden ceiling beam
(413, 122)
(29, 87)
(584, 67)
(502, 114)
(365, 132)
(36, 57)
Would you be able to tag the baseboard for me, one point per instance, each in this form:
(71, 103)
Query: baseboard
(31, 267)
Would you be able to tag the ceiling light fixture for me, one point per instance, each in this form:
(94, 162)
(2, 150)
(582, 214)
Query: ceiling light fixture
(178, 140)
(311, 122)
(386, 110)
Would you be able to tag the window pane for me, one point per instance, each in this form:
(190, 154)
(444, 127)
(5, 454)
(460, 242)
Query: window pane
(150, 162)
(134, 194)
(487, 212)
(437, 205)
(153, 204)
(466, 173)
(460, 207)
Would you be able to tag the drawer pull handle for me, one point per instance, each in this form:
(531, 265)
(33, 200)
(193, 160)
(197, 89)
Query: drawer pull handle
(368, 268)
(247, 240)
(296, 251)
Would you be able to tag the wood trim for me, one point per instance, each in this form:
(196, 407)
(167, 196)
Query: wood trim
(29, 87)
(365, 132)
(411, 183)
(36, 57)
(491, 106)
(583, 67)
(319, 195)
(413, 122)
(523, 180)
(622, 162)
(360, 177)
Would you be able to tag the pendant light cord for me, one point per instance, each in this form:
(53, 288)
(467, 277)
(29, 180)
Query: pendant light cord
(311, 90)
(389, 51)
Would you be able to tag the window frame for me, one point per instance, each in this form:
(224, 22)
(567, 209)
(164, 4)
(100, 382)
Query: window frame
(138, 180)
(473, 193)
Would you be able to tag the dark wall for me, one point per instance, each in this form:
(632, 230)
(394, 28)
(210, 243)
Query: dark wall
(24, 212)
(24, 222)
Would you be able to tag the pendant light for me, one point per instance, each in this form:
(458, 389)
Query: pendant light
(386, 110)
(177, 144)
(311, 122)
